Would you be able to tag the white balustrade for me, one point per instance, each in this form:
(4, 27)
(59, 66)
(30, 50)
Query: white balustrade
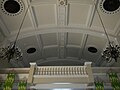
(61, 70)
(62, 74)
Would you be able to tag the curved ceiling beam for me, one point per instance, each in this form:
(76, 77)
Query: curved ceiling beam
(28, 33)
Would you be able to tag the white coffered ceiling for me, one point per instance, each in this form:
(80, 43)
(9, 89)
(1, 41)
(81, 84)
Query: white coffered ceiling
(61, 31)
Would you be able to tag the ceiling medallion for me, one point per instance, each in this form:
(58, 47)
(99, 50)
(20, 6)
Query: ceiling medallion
(92, 49)
(12, 7)
(110, 6)
(31, 50)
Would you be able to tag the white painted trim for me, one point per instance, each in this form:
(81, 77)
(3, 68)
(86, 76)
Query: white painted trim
(73, 46)
(40, 43)
(39, 2)
(82, 2)
(66, 14)
(83, 43)
(89, 16)
(50, 46)
(56, 14)
(58, 44)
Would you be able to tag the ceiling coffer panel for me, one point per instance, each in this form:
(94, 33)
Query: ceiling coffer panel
(73, 52)
(11, 18)
(49, 39)
(93, 48)
(78, 14)
(50, 52)
(45, 14)
(74, 38)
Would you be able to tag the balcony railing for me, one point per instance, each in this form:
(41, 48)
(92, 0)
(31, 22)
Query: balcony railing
(62, 74)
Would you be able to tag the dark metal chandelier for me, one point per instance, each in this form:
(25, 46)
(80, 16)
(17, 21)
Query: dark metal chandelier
(12, 52)
(112, 51)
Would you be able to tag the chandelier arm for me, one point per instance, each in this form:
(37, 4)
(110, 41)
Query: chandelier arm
(102, 24)
(22, 21)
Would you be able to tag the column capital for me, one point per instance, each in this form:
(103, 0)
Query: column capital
(34, 63)
(87, 63)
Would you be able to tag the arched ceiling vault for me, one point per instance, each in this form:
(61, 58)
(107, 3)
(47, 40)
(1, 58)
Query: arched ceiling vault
(59, 29)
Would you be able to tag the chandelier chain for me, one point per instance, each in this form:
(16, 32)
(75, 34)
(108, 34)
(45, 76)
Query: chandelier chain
(22, 21)
(102, 22)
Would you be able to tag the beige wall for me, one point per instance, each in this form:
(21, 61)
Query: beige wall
(4, 64)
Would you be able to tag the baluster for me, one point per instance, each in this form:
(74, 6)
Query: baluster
(75, 70)
(82, 70)
(37, 73)
(78, 70)
(67, 70)
(70, 70)
(57, 72)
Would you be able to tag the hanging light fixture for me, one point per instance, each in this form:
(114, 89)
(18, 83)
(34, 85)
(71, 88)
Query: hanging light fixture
(12, 52)
(112, 51)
